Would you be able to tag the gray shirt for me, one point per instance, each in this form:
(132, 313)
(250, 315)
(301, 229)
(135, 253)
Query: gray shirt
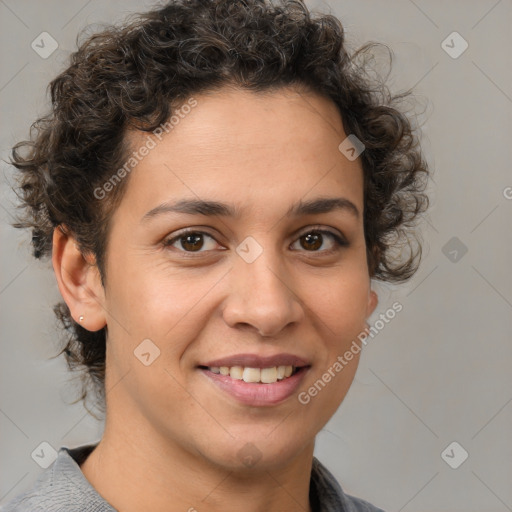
(63, 487)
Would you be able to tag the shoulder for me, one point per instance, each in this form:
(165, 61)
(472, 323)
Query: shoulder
(359, 505)
(61, 487)
(329, 495)
(38, 498)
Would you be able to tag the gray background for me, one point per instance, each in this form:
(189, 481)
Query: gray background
(439, 372)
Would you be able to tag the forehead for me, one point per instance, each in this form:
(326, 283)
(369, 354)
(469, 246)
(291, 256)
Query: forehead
(256, 150)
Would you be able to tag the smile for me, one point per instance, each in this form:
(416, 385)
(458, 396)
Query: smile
(261, 375)
(256, 386)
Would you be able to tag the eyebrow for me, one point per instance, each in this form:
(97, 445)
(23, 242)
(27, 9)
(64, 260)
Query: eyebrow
(215, 208)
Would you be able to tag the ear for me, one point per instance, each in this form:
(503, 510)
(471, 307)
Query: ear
(373, 300)
(79, 281)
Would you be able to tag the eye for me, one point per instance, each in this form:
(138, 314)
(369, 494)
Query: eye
(192, 241)
(189, 241)
(312, 240)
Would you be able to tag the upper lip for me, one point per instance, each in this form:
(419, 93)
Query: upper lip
(257, 361)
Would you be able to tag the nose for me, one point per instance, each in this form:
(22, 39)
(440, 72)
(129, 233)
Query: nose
(262, 296)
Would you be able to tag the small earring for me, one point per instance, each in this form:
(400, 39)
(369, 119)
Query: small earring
(81, 318)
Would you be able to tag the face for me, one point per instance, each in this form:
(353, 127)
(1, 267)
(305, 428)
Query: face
(270, 280)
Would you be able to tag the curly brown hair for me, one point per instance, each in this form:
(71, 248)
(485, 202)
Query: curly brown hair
(136, 74)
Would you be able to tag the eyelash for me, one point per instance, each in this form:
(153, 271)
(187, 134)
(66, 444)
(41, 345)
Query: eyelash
(339, 241)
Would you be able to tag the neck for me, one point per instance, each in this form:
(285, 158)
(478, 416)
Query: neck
(133, 470)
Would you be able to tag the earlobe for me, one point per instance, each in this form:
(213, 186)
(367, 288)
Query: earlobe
(78, 281)
(373, 300)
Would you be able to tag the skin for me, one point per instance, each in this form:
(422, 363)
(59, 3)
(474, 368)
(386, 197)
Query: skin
(172, 438)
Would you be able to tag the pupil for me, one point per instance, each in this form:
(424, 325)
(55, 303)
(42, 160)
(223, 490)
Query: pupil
(317, 240)
(194, 245)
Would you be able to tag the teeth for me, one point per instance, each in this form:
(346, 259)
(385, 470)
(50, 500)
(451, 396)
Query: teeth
(269, 375)
(247, 374)
(252, 374)
(236, 372)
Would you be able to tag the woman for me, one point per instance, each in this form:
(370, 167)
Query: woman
(217, 184)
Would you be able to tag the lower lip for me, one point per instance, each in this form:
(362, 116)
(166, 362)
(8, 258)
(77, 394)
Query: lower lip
(250, 393)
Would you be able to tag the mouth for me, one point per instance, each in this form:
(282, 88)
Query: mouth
(255, 375)
(257, 387)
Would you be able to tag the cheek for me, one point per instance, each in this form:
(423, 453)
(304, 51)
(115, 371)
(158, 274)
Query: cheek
(170, 307)
(325, 392)
(341, 304)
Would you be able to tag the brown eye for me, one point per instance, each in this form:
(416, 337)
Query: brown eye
(312, 241)
(190, 241)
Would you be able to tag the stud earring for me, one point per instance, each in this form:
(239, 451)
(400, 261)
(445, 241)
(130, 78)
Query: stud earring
(81, 318)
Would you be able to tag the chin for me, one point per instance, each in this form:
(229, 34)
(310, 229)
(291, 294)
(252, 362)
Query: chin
(253, 453)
